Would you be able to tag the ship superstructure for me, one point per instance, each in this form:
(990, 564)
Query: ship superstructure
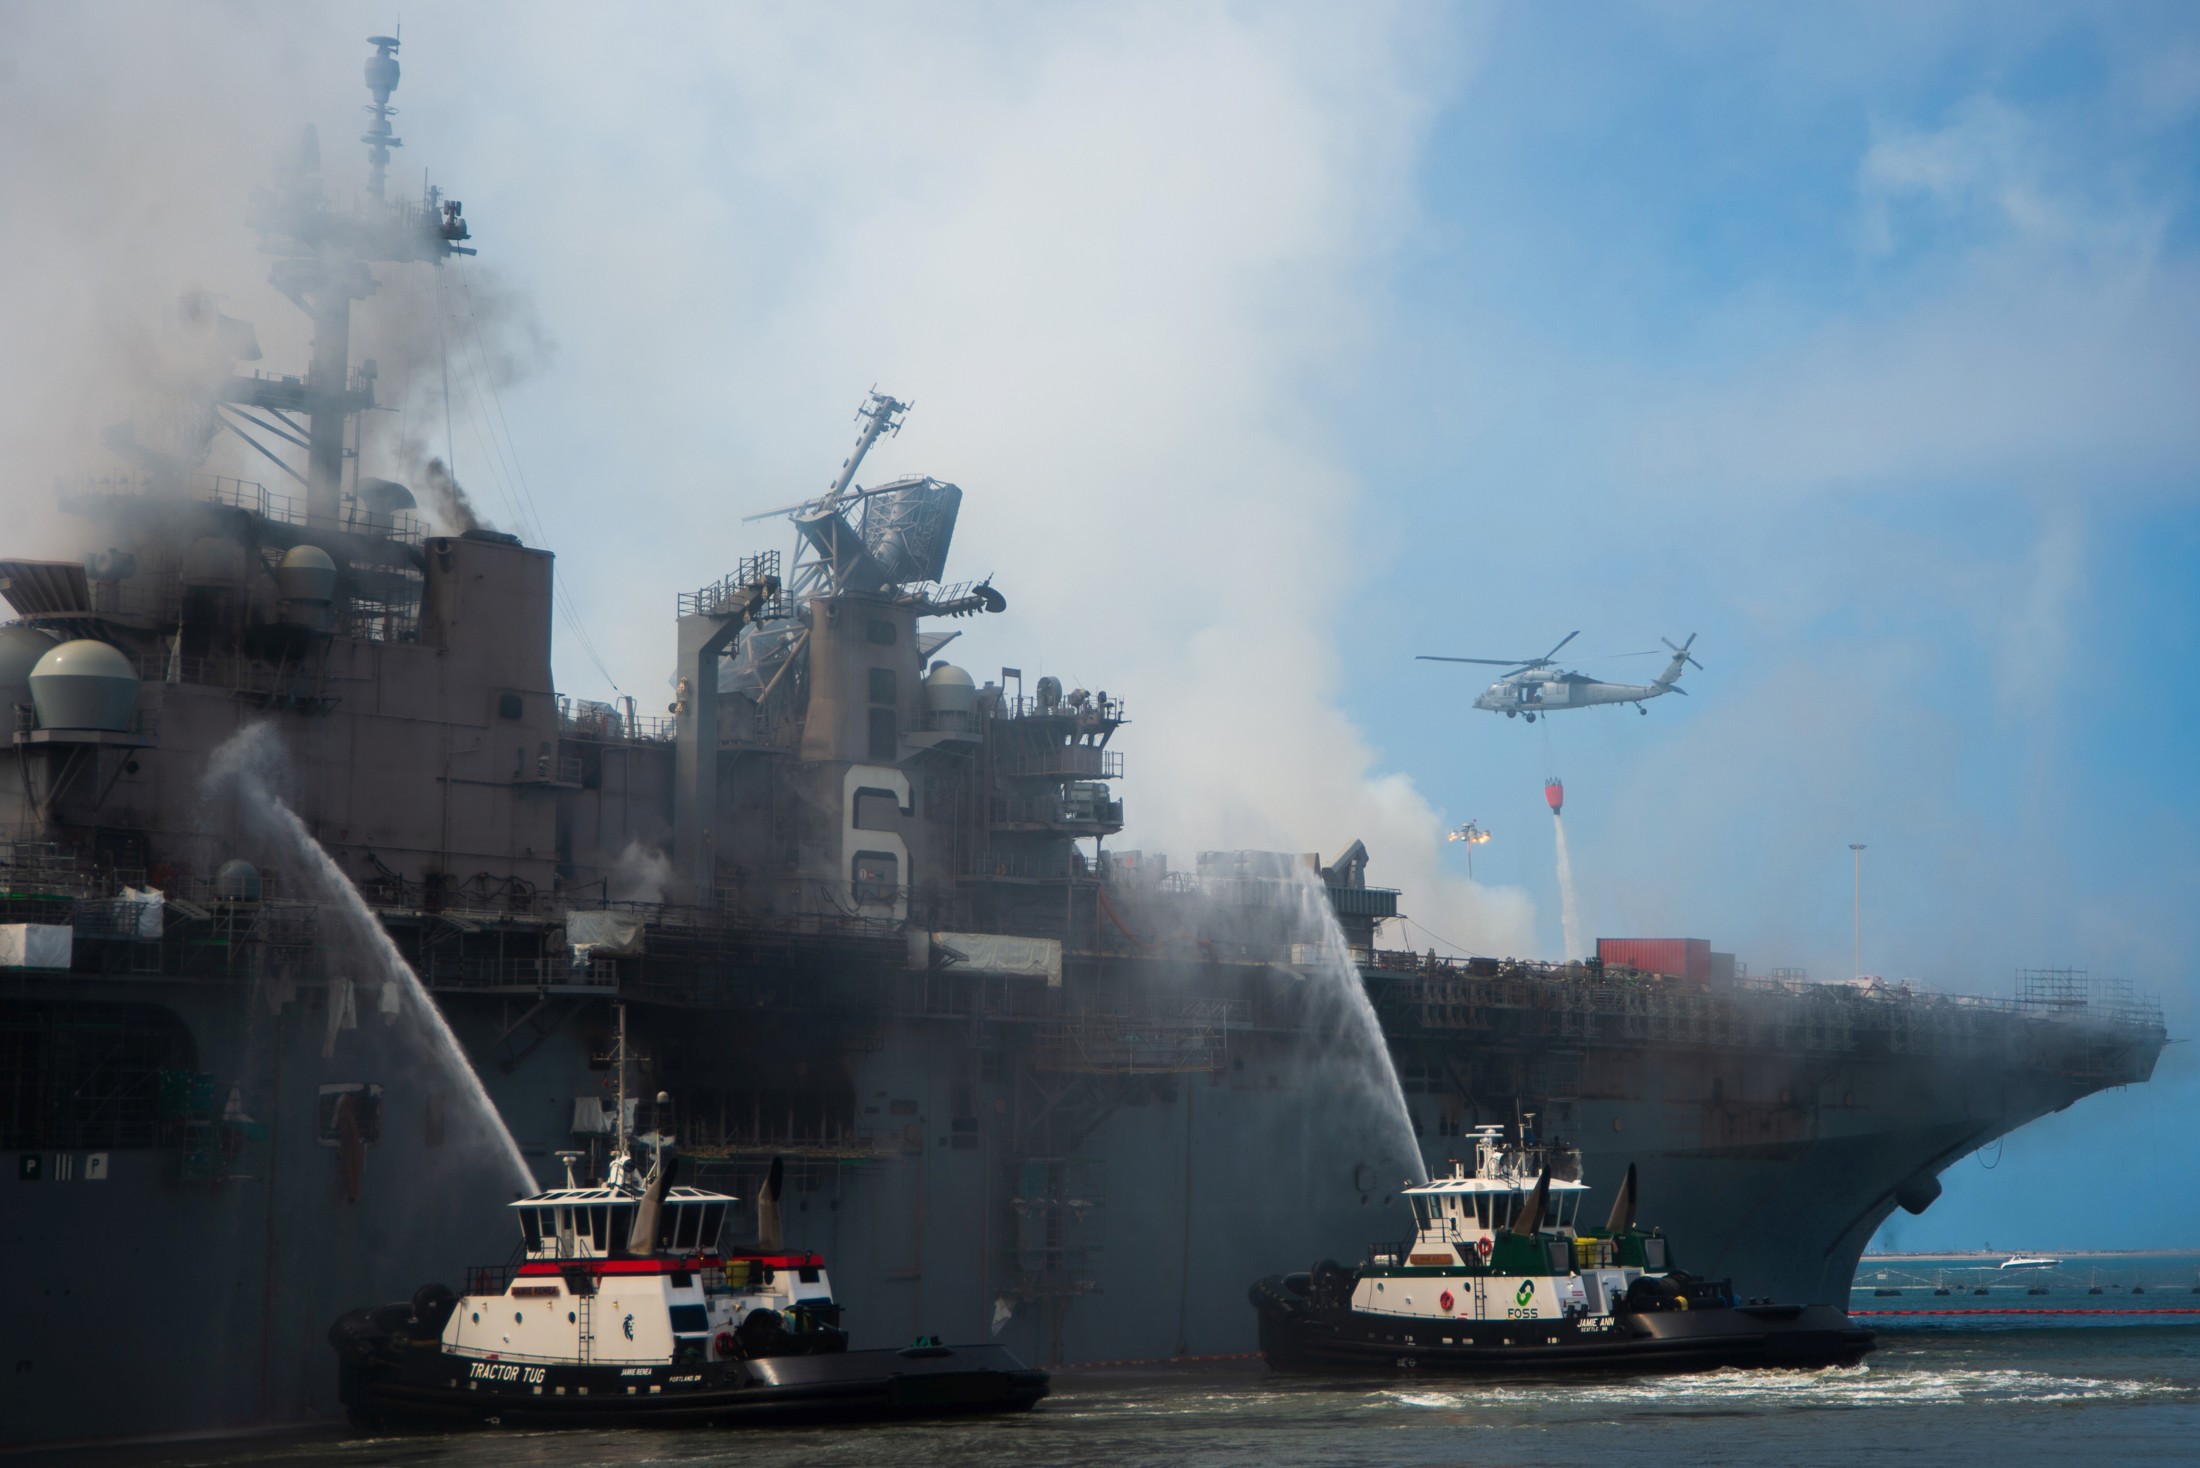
(861, 906)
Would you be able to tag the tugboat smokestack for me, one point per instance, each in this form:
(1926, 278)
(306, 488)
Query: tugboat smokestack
(1623, 1205)
(767, 1207)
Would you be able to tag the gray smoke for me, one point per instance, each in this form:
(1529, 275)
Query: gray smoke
(448, 502)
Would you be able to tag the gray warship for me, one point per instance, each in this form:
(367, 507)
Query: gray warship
(859, 904)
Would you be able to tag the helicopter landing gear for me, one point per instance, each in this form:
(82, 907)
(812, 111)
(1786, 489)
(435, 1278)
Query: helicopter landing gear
(1641, 710)
(1512, 713)
(1531, 718)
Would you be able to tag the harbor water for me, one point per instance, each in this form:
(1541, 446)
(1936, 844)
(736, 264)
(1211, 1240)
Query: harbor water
(1960, 1393)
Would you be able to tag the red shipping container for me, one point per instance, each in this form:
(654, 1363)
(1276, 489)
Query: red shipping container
(1682, 958)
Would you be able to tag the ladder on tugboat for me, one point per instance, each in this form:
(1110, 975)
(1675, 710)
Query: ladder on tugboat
(587, 1334)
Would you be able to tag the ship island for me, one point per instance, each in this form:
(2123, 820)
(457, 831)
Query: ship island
(859, 905)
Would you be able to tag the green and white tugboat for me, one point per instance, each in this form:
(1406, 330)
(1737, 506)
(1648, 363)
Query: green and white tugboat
(1501, 1276)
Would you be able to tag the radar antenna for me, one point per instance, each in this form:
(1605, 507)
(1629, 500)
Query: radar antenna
(880, 416)
(382, 76)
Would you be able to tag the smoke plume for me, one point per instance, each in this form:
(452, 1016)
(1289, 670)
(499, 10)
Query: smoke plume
(448, 502)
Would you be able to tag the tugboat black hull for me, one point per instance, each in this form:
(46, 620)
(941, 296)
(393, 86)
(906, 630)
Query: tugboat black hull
(1298, 1335)
(389, 1382)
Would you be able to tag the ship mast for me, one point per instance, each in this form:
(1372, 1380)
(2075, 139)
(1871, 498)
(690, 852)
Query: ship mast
(322, 265)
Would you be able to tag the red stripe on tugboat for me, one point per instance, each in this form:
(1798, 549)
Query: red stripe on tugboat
(693, 1264)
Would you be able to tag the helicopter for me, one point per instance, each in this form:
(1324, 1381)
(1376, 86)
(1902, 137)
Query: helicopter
(1535, 686)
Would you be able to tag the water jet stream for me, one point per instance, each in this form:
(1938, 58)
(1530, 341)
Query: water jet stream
(241, 764)
(1358, 1029)
(1569, 915)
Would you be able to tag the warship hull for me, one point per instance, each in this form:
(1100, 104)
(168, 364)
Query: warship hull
(1069, 1216)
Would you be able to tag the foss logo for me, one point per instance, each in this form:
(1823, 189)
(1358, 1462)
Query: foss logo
(627, 1325)
(1525, 1294)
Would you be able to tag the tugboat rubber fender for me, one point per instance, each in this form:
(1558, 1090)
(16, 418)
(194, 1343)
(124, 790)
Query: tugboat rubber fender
(1330, 1285)
(763, 1333)
(432, 1305)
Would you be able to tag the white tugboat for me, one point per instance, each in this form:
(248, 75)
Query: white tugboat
(1500, 1275)
(622, 1307)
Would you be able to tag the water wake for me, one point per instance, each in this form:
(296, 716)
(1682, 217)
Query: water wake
(1569, 915)
(1349, 1019)
(245, 765)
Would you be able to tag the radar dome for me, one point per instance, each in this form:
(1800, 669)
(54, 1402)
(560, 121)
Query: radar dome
(84, 685)
(237, 880)
(950, 690)
(305, 573)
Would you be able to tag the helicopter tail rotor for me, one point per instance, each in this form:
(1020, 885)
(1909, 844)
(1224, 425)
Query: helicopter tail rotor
(1683, 659)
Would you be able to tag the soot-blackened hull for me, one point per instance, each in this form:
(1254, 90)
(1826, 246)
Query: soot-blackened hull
(1296, 1335)
(424, 1387)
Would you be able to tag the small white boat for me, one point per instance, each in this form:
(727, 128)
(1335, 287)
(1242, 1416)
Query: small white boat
(2028, 1261)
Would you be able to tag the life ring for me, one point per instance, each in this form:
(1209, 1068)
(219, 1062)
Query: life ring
(1482, 1246)
(725, 1344)
(1444, 1300)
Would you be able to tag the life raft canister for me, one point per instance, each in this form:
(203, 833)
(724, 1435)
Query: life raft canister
(725, 1344)
(1444, 1300)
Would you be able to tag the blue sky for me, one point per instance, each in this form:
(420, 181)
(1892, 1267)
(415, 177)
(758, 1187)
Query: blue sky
(1273, 345)
(1971, 648)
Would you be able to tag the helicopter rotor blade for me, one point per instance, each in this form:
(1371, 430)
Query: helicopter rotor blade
(1569, 637)
(1492, 662)
(1681, 650)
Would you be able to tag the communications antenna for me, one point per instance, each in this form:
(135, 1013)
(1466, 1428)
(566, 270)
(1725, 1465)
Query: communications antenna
(382, 76)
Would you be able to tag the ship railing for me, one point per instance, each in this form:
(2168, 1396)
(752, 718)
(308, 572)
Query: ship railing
(751, 575)
(251, 496)
(1055, 811)
(1615, 990)
(584, 718)
(1078, 761)
(1094, 711)
(1051, 867)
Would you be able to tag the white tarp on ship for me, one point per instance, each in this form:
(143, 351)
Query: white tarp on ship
(604, 934)
(36, 945)
(999, 953)
(595, 1114)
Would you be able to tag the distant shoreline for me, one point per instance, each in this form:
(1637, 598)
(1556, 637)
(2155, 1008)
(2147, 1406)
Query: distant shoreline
(2000, 1254)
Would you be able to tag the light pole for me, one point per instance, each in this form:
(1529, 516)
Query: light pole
(1857, 954)
(1474, 836)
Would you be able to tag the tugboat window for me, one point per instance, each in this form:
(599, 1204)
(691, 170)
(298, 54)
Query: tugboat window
(622, 1218)
(1482, 1210)
(530, 1228)
(599, 1226)
(683, 1227)
(714, 1222)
